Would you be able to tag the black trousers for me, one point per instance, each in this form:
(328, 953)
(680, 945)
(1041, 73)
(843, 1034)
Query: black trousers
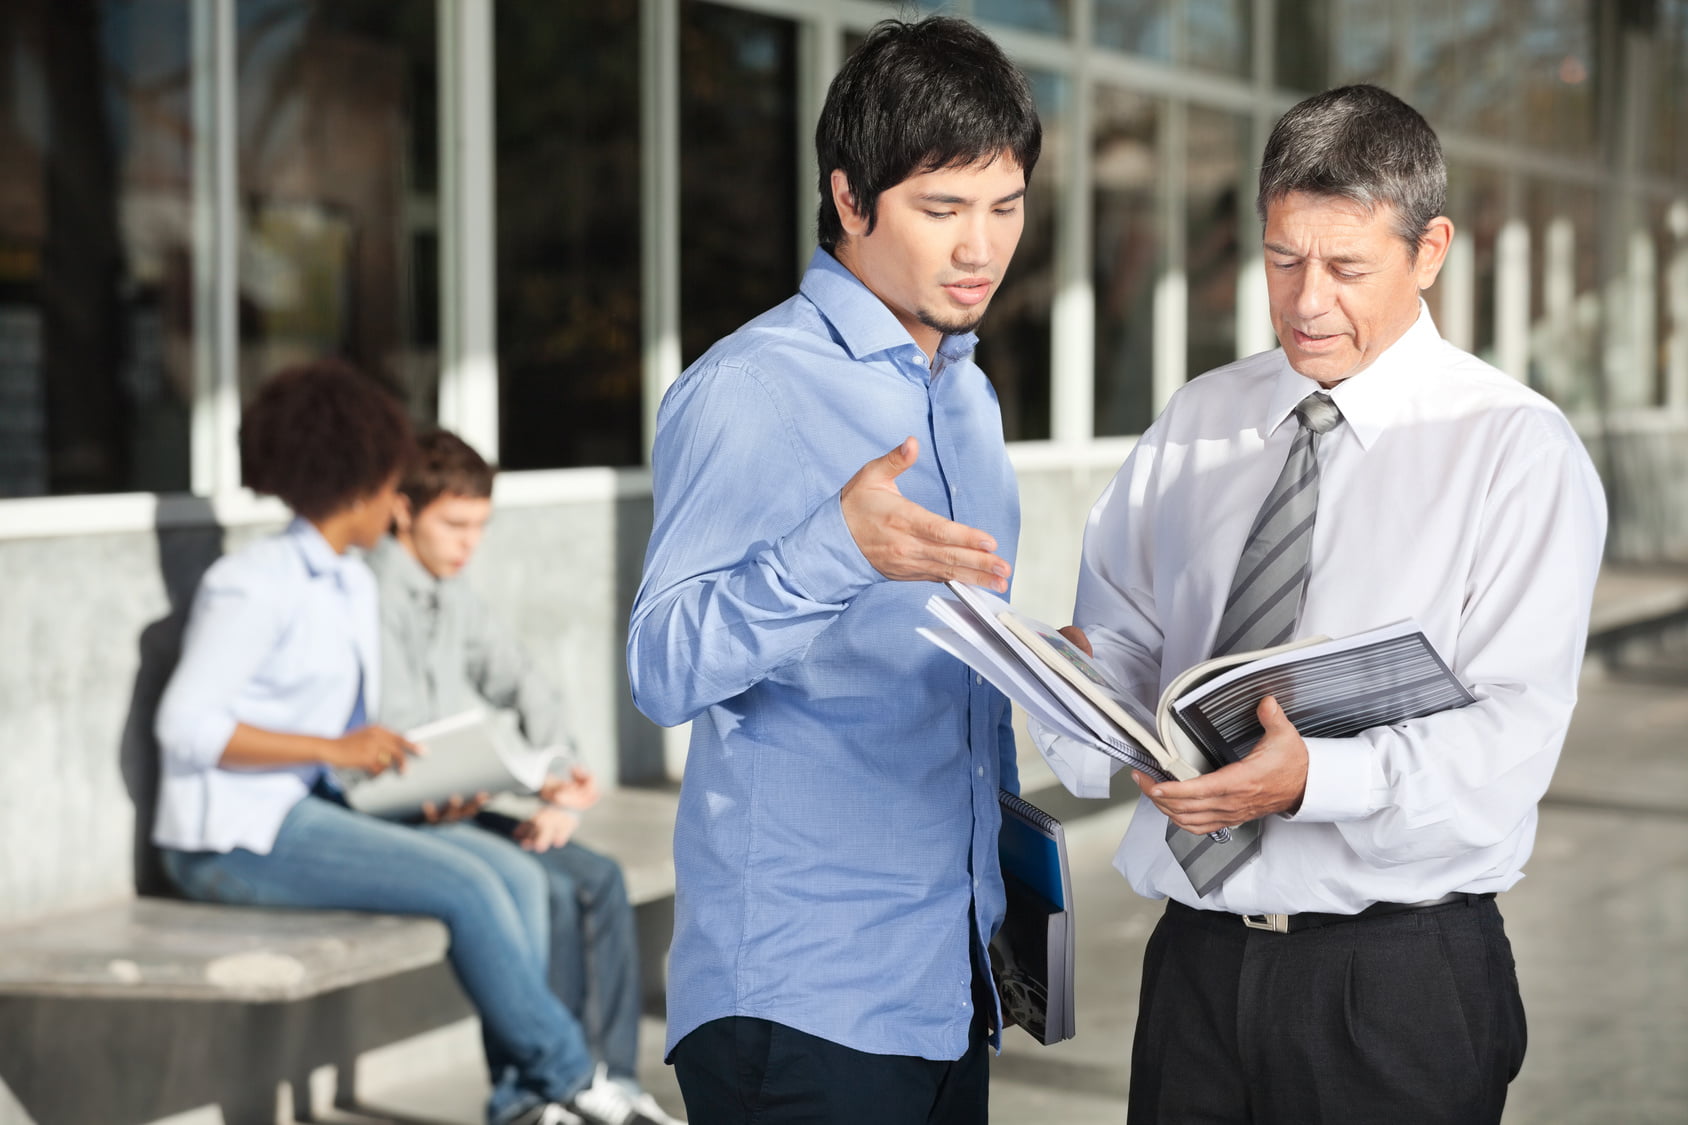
(745, 1071)
(1412, 1018)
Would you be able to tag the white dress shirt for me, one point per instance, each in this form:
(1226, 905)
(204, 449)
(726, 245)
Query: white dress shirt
(283, 635)
(1452, 495)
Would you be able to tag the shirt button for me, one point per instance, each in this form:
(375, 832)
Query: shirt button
(978, 679)
(981, 771)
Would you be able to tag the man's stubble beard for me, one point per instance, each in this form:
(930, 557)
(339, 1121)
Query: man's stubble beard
(953, 328)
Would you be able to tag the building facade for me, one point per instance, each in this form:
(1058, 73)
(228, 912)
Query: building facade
(530, 215)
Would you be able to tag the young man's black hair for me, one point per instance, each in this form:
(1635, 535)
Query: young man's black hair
(917, 97)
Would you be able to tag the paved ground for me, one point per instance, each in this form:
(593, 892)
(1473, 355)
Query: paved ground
(1600, 928)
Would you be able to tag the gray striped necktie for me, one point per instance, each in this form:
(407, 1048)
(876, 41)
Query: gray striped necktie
(1265, 602)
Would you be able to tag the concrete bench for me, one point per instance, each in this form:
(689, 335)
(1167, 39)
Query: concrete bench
(236, 1014)
(165, 949)
(1639, 612)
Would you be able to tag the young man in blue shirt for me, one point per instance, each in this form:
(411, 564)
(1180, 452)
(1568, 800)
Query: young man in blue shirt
(836, 841)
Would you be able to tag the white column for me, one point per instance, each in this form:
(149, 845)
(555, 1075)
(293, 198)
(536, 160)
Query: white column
(1512, 286)
(1458, 283)
(469, 227)
(1676, 298)
(215, 457)
(1559, 350)
(1072, 359)
(821, 48)
(1171, 300)
(659, 189)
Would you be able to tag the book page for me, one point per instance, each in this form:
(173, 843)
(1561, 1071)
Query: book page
(990, 650)
(1334, 689)
(460, 757)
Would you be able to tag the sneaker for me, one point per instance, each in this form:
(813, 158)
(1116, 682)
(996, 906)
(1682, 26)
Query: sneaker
(548, 1114)
(608, 1102)
(647, 1105)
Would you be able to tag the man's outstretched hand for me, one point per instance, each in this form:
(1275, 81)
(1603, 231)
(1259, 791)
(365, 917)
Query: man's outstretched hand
(1271, 778)
(907, 543)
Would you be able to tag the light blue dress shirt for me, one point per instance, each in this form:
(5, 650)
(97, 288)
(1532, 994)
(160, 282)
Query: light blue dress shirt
(283, 636)
(836, 839)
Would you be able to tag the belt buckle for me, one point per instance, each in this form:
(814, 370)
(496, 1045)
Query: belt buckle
(1276, 923)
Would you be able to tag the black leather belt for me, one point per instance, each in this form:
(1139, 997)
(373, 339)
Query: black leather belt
(1308, 920)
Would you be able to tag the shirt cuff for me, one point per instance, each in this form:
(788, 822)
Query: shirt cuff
(1084, 770)
(821, 556)
(1339, 781)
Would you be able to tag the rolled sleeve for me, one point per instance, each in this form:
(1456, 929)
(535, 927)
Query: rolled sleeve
(233, 626)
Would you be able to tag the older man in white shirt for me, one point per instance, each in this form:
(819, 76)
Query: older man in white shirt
(1444, 491)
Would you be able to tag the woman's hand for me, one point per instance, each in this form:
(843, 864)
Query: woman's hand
(454, 809)
(372, 749)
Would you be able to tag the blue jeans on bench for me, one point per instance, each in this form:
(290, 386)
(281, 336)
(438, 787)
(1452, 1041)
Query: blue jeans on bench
(594, 947)
(490, 894)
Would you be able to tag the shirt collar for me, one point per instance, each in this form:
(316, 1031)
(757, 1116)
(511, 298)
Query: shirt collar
(392, 561)
(1367, 400)
(319, 557)
(860, 320)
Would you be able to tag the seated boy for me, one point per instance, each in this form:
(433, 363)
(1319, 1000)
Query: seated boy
(443, 653)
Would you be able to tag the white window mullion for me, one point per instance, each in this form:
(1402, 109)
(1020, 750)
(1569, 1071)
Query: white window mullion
(1073, 318)
(469, 227)
(659, 113)
(1171, 301)
(215, 456)
(821, 53)
(1512, 286)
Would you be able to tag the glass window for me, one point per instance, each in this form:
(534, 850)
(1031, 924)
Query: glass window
(1477, 206)
(1667, 93)
(1129, 257)
(1565, 312)
(1365, 41)
(96, 247)
(1142, 27)
(1218, 35)
(338, 160)
(1034, 15)
(1556, 73)
(738, 169)
(1302, 44)
(1217, 166)
(1464, 65)
(569, 316)
(1211, 34)
(1015, 340)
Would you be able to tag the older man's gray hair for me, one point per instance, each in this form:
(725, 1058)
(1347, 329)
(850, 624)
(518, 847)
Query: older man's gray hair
(1360, 143)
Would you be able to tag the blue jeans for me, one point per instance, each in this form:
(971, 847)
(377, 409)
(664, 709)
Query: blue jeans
(594, 949)
(491, 896)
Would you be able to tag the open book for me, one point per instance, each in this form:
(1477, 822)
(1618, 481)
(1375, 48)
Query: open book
(1206, 716)
(462, 755)
(1032, 953)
